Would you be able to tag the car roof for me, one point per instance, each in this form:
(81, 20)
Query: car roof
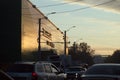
(30, 62)
(107, 64)
(110, 65)
(103, 68)
(24, 62)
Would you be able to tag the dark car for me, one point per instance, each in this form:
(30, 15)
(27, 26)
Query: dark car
(74, 72)
(105, 71)
(35, 71)
(5, 76)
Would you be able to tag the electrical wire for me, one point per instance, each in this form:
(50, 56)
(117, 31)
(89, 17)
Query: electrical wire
(85, 7)
(59, 4)
(78, 8)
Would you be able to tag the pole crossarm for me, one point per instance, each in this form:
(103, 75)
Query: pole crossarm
(62, 42)
(57, 42)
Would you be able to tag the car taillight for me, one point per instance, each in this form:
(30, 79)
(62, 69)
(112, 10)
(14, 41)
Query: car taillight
(34, 76)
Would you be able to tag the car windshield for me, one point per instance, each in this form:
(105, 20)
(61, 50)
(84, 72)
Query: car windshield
(21, 68)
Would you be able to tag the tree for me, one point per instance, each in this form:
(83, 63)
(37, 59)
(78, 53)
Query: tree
(114, 58)
(85, 48)
(82, 53)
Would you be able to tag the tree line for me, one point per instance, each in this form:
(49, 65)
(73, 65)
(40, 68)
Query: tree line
(114, 58)
(83, 53)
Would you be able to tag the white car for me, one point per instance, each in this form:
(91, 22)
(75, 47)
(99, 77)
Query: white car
(35, 71)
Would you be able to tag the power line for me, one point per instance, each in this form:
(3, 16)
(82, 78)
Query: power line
(59, 4)
(78, 8)
(85, 7)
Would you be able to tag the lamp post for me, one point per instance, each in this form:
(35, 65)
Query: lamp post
(65, 41)
(39, 34)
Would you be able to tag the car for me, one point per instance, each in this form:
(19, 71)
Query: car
(5, 76)
(35, 71)
(102, 71)
(74, 72)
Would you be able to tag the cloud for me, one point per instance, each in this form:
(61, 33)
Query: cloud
(104, 51)
(104, 22)
(107, 5)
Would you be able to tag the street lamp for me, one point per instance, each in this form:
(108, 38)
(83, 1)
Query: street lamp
(39, 34)
(65, 41)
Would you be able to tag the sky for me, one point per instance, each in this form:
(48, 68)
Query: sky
(97, 21)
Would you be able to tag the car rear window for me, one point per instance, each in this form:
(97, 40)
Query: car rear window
(21, 68)
(106, 70)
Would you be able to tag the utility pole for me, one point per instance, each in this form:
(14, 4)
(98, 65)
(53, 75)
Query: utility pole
(74, 47)
(39, 40)
(39, 35)
(65, 42)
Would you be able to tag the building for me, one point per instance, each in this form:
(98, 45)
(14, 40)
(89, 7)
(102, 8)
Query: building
(19, 32)
(51, 38)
